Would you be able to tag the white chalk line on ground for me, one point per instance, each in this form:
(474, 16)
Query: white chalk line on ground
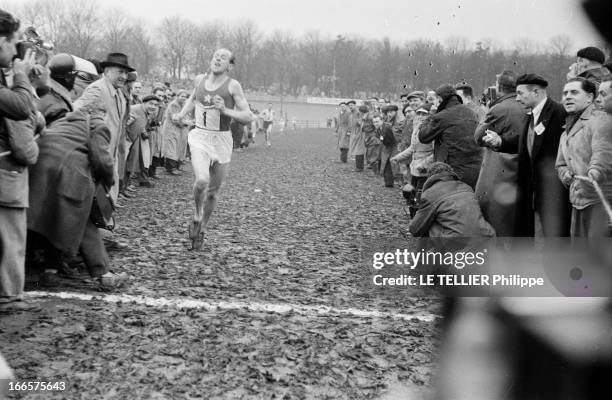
(233, 305)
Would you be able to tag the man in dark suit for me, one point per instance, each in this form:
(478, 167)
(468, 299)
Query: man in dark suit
(496, 186)
(543, 207)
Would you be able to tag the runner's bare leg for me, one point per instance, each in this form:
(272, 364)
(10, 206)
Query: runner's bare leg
(218, 172)
(200, 162)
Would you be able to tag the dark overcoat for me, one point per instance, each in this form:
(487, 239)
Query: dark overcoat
(452, 129)
(62, 181)
(539, 188)
(497, 182)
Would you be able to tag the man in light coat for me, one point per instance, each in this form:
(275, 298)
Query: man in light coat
(107, 91)
(585, 150)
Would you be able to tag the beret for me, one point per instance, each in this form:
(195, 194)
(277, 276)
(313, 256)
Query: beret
(445, 91)
(363, 109)
(351, 102)
(150, 97)
(593, 54)
(341, 103)
(531, 79)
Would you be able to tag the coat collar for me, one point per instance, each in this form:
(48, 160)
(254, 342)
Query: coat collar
(503, 98)
(582, 120)
(61, 91)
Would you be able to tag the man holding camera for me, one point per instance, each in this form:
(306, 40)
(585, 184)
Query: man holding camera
(451, 129)
(17, 151)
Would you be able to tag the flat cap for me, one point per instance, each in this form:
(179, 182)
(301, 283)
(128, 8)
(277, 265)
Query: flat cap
(351, 102)
(389, 107)
(531, 79)
(363, 109)
(150, 98)
(416, 93)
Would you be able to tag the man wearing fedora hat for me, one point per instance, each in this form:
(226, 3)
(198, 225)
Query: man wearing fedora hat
(107, 91)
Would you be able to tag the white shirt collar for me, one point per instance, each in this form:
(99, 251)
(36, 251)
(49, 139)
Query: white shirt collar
(537, 110)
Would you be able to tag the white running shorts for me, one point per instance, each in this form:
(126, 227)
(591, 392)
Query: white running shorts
(217, 145)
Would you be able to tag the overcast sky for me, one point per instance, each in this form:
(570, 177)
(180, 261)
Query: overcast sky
(401, 20)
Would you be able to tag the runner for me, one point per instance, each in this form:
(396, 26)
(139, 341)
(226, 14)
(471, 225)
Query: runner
(217, 99)
(268, 117)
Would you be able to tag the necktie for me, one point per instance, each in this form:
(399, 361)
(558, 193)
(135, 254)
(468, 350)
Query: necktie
(530, 135)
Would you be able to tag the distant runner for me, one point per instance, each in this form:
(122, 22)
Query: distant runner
(268, 117)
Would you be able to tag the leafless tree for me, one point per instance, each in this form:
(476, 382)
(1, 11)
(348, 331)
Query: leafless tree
(176, 34)
(560, 44)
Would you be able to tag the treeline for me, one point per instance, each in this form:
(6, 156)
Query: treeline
(280, 62)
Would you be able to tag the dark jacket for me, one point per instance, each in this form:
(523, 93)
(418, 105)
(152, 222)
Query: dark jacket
(496, 187)
(17, 123)
(55, 104)
(596, 74)
(539, 188)
(62, 180)
(452, 128)
(449, 209)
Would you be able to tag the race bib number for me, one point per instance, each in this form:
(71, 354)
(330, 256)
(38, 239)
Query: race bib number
(208, 117)
(211, 119)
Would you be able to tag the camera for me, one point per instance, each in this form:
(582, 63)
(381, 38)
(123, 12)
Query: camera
(492, 93)
(33, 41)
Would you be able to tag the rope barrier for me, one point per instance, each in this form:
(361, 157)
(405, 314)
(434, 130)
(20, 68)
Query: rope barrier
(600, 194)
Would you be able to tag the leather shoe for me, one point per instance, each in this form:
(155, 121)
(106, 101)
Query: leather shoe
(126, 195)
(111, 279)
(18, 305)
(111, 244)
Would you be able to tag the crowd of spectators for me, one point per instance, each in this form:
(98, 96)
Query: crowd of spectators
(78, 139)
(516, 164)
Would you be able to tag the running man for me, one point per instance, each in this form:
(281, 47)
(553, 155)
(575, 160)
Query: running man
(217, 99)
(268, 117)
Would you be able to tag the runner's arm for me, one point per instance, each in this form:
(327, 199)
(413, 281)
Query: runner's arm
(190, 102)
(241, 111)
